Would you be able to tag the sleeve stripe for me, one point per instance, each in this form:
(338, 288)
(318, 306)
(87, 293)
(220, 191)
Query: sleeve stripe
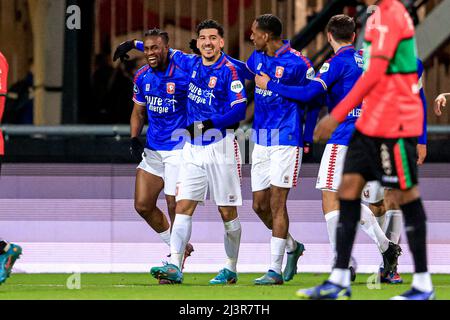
(238, 101)
(139, 102)
(324, 85)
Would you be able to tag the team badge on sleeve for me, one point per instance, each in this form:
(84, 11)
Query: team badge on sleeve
(212, 82)
(237, 86)
(171, 88)
(279, 72)
(325, 68)
(311, 73)
(136, 89)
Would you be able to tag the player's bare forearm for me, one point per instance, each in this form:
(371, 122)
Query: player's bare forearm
(137, 120)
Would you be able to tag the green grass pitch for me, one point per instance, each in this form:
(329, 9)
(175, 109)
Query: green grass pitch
(195, 287)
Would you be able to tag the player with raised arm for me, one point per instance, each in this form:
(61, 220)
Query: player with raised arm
(9, 252)
(334, 81)
(381, 201)
(278, 130)
(383, 146)
(211, 158)
(160, 94)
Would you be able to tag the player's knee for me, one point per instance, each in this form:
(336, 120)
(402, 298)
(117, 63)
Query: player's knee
(144, 209)
(260, 207)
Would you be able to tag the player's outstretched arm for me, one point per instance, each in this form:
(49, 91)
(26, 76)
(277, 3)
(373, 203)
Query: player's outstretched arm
(439, 103)
(377, 68)
(244, 72)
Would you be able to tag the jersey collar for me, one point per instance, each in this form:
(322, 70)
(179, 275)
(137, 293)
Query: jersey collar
(345, 48)
(219, 63)
(285, 48)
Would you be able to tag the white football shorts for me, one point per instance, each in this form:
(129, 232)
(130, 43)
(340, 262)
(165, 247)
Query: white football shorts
(277, 166)
(164, 164)
(373, 192)
(216, 166)
(331, 167)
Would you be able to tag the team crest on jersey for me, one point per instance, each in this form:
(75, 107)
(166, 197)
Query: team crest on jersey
(366, 193)
(279, 72)
(136, 89)
(259, 67)
(147, 87)
(194, 74)
(171, 88)
(212, 82)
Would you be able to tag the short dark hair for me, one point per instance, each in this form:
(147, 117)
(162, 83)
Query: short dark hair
(271, 24)
(342, 27)
(158, 33)
(210, 24)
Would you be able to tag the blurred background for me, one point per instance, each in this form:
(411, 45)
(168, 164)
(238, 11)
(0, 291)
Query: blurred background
(61, 70)
(68, 180)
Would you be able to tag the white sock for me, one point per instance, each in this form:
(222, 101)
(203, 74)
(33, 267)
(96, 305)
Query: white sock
(291, 244)
(394, 229)
(232, 241)
(381, 221)
(371, 227)
(387, 220)
(340, 277)
(422, 282)
(181, 233)
(165, 236)
(277, 247)
(7, 247)
(332, 219)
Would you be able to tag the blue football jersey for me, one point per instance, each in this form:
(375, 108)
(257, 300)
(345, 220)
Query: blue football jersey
(278, 120)
(424, 136)
(164, 94)
(213, 92)
(338, 75)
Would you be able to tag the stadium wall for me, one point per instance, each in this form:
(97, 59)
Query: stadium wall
(80, 218)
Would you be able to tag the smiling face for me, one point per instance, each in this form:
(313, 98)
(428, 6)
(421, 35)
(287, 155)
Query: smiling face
(210, 44)
(156, 51)
(259, 37)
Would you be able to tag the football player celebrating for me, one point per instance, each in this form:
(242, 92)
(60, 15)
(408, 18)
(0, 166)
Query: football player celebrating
(160, 94)
(216, 101)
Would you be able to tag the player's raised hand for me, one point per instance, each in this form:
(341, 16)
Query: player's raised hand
(421, 153)
(262, 80)
(440, 103)
(325, 128)
(123, 49)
